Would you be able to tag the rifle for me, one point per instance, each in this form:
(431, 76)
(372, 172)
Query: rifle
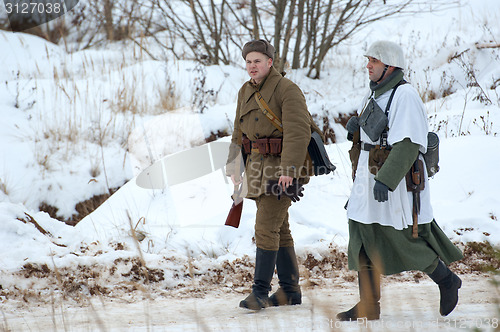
(234, 216)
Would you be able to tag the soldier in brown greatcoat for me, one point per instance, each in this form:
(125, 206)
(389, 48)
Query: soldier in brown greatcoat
(274, 242)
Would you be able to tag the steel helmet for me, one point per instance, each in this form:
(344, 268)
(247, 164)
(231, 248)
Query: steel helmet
(387, 52)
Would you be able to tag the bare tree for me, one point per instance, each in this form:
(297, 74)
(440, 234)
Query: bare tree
(255, 20)
(202, 31)
(210, 31)
(278, 22)
(311, 32)
(287, 36)
(320, 25)
(300, 28)
(108, 18)
(352, 16)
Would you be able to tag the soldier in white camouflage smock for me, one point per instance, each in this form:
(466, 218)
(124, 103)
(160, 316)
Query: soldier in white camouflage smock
(381, 209)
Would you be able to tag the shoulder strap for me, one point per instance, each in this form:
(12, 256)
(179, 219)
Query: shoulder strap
(392, 95)
(383, 136)
(275, 121)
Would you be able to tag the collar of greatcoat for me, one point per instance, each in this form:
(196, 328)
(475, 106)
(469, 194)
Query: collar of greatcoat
(266, 89)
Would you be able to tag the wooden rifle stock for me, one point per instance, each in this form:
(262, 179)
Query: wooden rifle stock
(234, 216)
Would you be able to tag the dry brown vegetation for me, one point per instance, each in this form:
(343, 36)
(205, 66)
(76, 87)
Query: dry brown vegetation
(182, 277)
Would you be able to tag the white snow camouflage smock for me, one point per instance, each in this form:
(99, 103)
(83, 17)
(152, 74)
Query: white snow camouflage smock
(407, 119)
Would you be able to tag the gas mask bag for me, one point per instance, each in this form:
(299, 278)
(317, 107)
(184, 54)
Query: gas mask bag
(373, 120)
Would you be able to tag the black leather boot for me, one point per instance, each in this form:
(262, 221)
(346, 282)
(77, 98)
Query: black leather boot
(288, 274)
(448, 283)
(369, 292)
(265, 260)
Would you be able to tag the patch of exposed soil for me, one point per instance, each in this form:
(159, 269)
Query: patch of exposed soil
(83, 208)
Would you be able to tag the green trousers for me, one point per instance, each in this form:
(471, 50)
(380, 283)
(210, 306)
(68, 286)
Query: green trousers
(272, 230)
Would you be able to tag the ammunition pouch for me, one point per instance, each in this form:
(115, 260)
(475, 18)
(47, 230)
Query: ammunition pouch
(373, 120)
(376, 158)
(264, 146)
(275, 146)
(261, 145)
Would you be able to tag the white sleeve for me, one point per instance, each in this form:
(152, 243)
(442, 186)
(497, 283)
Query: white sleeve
(408, 118)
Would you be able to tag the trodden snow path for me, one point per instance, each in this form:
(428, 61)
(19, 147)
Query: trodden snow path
(407, 306)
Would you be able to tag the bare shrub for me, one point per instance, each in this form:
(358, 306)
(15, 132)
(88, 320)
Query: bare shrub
(464, 60)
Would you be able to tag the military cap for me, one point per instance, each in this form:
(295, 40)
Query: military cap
(261, 45)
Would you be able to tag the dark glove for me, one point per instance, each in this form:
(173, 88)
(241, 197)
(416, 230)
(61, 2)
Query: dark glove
(352, 125)
(380, 191)
(293, 191)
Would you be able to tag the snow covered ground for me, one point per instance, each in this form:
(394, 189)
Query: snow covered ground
(405, 307)
(76, 125)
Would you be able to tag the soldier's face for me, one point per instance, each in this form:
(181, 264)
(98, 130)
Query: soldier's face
(376, 68)
(258, 66)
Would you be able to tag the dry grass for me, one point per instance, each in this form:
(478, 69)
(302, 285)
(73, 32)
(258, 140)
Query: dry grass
(126, 101)
(168, 96)
(83, 105)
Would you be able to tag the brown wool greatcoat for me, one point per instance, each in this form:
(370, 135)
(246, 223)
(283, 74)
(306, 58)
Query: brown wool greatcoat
(287, 102)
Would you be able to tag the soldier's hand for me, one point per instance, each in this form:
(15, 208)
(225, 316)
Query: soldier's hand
(285, 181)
(380, 191)
(352, 125)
